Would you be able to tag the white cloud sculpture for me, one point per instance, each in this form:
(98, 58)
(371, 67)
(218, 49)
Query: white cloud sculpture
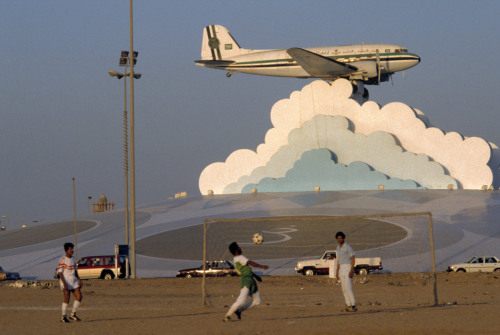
(465, 159)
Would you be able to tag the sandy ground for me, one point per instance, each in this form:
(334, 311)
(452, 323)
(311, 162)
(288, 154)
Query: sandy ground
(388, 304)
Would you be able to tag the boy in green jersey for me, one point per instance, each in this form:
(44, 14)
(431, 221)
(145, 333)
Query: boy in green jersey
(247, 284)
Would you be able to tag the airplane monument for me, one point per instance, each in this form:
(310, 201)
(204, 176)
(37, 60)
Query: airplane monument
(330, 136)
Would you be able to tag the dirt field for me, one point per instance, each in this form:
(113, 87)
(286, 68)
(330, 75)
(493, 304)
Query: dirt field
(387, 304)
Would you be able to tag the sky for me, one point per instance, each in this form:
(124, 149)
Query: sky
(61, 114)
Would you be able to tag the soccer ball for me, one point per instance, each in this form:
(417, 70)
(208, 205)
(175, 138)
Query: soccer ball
(258, 238)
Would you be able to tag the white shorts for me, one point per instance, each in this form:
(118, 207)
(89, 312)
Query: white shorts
(71, 281)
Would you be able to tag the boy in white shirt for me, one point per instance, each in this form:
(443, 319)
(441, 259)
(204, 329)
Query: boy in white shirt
(70, 282)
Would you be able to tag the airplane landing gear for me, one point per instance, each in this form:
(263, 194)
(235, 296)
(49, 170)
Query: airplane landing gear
(366, 94)
(354, 87)
(358, 87)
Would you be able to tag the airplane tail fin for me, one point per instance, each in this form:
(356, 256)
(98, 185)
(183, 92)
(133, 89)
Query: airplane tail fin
(218, 44)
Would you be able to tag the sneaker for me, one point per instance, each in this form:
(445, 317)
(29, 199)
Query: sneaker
(73, 317)
(349, 309)
(226, 319)
(64, 319)
(238, 314)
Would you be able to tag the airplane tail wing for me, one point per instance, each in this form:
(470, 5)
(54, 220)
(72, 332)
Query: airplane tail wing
(218, 44)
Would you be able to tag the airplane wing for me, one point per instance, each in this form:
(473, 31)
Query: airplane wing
(319, 66)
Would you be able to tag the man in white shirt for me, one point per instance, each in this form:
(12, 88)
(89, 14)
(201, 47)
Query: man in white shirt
(345, 271)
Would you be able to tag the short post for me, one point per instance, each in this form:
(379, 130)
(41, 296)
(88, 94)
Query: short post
(117, 252)
(434, 278)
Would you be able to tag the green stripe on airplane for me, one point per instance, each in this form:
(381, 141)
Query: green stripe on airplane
(214, 34)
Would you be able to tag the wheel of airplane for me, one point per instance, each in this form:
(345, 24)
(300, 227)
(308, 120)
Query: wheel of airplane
(228, 74)
(354, 87)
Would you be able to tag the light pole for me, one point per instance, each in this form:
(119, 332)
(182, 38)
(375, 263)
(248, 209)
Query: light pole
(130, 59)
(74, 219)
(132, 146)
(124, 61)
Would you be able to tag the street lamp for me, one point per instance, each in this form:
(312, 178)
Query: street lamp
(132, 147)
(128, 62)
(119, 75)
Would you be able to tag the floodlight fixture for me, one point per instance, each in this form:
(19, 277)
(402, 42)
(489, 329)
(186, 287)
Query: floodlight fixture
(119, 75)
(116, 74)
(124, 58)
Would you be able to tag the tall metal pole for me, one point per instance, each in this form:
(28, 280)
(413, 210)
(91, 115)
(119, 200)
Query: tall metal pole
(132, 151)
(125, 155)
(74, 219)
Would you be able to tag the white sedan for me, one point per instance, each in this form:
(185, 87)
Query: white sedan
(477, 264)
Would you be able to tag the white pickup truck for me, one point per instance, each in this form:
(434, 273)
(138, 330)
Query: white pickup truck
(321, 266)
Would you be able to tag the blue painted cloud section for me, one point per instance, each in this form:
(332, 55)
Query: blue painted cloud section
(317, 167)
(379, 150)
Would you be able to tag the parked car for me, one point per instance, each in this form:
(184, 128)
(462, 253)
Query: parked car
(212, 269)
(321, 266)
(102, 267)
(477, 264)
(5, 275)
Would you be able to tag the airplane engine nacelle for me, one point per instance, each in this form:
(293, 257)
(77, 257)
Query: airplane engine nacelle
(368, 68)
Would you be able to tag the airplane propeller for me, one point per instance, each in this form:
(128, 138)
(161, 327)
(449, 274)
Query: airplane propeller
(379, 70)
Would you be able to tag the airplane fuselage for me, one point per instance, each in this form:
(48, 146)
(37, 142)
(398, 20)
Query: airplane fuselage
(371, 63)
(278, 63)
